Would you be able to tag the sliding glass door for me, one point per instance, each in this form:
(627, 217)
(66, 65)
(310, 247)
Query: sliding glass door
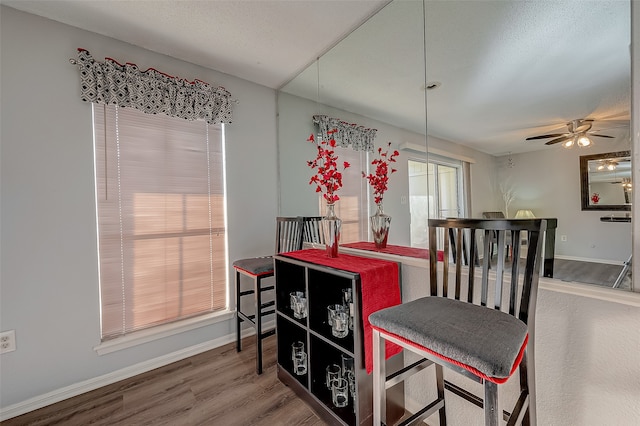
(435, 191)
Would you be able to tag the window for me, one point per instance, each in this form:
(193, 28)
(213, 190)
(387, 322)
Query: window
(161, 218)
(436, 191)
(352, 206)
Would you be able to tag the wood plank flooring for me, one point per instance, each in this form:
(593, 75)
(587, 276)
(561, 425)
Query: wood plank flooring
(600, 274)
(590, 273)
(217, 387)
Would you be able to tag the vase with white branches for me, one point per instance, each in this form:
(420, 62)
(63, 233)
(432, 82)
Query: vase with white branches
(508, 195)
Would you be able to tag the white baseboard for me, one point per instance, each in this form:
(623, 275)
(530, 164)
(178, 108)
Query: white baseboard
(76, 389)
(588, 259)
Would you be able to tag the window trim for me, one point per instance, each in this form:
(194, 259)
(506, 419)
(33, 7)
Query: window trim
(161, 331)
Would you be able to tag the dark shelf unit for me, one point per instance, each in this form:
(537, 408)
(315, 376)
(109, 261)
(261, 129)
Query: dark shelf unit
(322, 286)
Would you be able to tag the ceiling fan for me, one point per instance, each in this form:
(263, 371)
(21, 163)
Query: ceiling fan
(577, 134)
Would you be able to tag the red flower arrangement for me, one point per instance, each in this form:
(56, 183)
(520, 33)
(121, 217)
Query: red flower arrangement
(327, 178)
(595, 198)
(380, 179)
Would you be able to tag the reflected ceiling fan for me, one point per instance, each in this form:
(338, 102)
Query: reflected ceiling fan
(578, 133)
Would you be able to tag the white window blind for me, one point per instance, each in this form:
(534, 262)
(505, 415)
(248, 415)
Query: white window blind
(161, 223)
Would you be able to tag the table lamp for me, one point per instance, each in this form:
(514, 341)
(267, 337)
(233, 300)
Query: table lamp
(524, 214)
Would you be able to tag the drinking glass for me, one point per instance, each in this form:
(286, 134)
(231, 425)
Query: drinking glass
(347, 364)
(347, 297)
(340, 393)
(351, 378)
(298, 304)
(333, 374)
(296, 348)
(300, 363)
(294, 296)
(300, 308)
(331, 312)
(340, 326)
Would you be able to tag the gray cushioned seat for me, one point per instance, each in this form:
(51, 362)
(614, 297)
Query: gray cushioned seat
(482, 338)
(255, 265)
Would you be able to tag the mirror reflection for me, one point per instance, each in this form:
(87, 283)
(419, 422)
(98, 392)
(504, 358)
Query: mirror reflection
(606, 181)
(465, 91)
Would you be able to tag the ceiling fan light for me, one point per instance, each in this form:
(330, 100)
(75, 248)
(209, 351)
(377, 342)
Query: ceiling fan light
(584, 141)
(568, 144)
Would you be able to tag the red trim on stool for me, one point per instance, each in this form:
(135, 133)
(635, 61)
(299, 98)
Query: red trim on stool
(470, 369)
(270, 272)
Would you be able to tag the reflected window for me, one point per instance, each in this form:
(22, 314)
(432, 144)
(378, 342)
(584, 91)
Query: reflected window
(352, 206)
(435, 191)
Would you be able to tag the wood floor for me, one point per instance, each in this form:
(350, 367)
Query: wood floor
(589, 273)
(217, 387)
(600, 274)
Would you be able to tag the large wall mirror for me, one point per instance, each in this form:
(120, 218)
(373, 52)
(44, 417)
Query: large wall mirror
(468, 92)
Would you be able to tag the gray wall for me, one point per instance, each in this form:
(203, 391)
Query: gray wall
(548, 183)
(298, 197)
(49, 287)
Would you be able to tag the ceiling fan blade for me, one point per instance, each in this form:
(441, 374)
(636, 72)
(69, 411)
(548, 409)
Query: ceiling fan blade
(601, 136)
(558, 140)
(554, 135)
(613, 123)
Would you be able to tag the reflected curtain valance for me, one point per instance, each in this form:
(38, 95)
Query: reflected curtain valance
(359, 137)
(152, 91)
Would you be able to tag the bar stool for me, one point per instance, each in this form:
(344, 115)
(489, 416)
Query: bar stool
(473, 334)
(311, 230)
(288, 238)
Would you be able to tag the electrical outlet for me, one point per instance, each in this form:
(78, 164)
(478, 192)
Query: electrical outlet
(563, 238)
(7, 341)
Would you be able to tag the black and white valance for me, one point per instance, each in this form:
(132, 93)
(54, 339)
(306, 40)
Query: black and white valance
(359, 137)
(152, 91)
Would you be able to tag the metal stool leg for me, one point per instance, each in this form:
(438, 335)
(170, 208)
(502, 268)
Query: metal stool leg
(379, 379)
(258, 319)
(238, 319)
(492, 411)
(529, 364)
(442, 413)
(623, 273)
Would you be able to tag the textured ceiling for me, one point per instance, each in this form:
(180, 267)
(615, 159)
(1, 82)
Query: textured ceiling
(509, 69)
(264, 41)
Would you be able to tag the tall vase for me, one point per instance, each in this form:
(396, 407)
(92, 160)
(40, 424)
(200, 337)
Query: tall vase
(380, 223)
(331, 225)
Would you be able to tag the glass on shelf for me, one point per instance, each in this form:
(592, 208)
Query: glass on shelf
(347, 299)
(331, 312)
(299, 357)
(340, 393)
(298, 304)
(333, 373)
(340, 326)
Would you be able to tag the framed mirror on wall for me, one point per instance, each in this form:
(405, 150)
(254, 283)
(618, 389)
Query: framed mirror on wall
(605, 181)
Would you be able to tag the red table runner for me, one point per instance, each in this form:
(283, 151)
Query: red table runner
(379, 281)
(397, 250)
